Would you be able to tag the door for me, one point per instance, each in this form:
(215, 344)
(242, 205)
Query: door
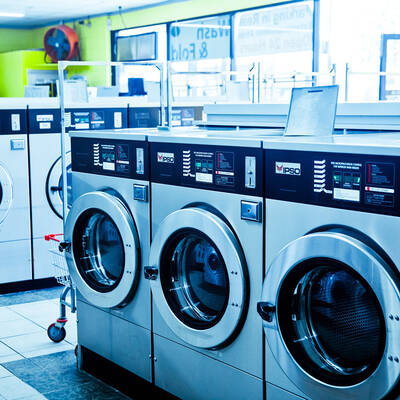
(330, 307)
(198, 277)
(103, 251)
(54, 182)
(5, 193)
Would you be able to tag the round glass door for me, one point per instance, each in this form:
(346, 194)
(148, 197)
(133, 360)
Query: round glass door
(6, 192)
(103, 258)
(99, 250)
(194, 279)
(332, 322)
(328, 302)
(54, 186)
(201, 285)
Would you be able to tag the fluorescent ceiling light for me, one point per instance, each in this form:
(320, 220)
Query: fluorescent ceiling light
(11, 15)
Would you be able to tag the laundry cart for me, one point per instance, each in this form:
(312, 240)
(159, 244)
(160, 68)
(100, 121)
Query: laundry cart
(56, 331)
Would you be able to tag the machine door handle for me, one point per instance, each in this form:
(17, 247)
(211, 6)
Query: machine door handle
(56, 188)
(64, 246)
(151, 273)
(266, 310)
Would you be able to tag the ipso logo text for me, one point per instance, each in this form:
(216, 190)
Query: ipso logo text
(286, 168)
(168, 158)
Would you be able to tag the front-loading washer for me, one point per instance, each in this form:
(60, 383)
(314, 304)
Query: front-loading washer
(45, 163)
(206, 265)
(107, 237)
(15, 232)
(331, 296)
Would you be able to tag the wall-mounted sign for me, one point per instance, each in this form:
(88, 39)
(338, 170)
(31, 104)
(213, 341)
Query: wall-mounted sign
(201, 39)
(280, 29)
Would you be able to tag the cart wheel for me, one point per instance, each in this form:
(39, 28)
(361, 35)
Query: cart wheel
(56, 334)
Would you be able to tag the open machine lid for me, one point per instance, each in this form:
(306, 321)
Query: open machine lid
(198, 277)
(103, 258)
(329, 307)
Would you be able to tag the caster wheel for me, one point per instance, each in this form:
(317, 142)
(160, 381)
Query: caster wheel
(56, 334)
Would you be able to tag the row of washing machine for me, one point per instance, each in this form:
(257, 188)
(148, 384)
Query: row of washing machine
(234, 265)
(31, 183)
(30, 174)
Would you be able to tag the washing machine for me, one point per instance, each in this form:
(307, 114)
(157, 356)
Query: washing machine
(45, 164)
(46, 180)
(107, 236)
(15, 232)
(331, 297)
(206, 265)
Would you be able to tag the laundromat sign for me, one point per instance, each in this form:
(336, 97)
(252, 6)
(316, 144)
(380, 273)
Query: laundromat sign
(201, 39)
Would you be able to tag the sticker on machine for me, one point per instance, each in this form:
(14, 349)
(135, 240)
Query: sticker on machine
(15, 122)
(168, 158)
(45, 125)
(45, 118)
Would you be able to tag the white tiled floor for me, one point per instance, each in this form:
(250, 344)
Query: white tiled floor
(23, 334)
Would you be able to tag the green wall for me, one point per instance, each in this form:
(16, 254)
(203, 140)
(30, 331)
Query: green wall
(16, 39)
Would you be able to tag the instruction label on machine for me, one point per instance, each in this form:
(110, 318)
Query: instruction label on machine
(15, 122)
(379, 180)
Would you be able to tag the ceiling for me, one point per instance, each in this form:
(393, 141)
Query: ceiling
(46, 12)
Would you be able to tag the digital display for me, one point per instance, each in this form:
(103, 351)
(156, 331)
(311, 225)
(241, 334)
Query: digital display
(108, 155)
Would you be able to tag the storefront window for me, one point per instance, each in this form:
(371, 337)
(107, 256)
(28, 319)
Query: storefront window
(277, 42)
(356, 36)
(200, 52)
(148, 44)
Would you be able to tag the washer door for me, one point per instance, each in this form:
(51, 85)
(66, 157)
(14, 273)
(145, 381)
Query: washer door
(199, 280)
(103, 259)
(54, 182)
(6, 193)
(331, 317)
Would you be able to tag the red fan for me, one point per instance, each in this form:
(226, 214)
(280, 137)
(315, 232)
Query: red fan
(61, 43)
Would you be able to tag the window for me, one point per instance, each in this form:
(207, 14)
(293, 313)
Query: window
(354, 35)
(141, 44)
(200, 54)
(137, 47)
(277, 43)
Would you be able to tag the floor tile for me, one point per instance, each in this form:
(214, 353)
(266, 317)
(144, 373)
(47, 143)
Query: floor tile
(12, 388)
(35, 344)
(57, 377)
(7, 354)
(18, 327)
(8, 315)
(4, 372)
(30, 296)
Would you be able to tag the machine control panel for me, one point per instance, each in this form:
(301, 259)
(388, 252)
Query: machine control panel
(44, 120)
(96, 118)
(13, 122)
(144, 117)
(121, 158)
(351, 181)
(222, 168)
(49, 120)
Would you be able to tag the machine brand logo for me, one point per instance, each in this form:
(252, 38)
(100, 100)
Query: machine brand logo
(286, 168)
(168, 158)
